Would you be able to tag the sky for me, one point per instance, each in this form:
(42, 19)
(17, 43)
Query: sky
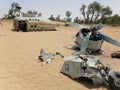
(55, 7)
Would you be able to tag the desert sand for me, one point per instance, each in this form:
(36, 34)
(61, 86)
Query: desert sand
(20, 68)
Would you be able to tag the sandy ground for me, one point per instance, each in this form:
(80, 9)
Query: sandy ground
(20, 68)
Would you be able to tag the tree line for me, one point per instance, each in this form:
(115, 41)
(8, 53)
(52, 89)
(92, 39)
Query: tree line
(93, 13)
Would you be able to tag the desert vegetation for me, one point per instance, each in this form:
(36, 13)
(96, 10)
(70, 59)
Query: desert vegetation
(93, 13)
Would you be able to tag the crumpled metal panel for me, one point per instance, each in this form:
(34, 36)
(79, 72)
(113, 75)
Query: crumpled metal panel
(83, 66)
(45, 57)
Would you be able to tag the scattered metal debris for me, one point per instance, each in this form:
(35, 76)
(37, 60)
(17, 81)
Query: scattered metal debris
(58, 53)
(73, 47)
(45, 57)
(115, 54)
(90, 41)
(90, 67)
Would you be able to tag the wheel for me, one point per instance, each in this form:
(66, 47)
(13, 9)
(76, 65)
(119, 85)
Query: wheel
(114, 85)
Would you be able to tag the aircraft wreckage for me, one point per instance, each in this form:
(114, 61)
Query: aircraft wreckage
(87, 66)
(32, 23)
(90, 67)
(89, 40)
(81, 65)
(46, 57)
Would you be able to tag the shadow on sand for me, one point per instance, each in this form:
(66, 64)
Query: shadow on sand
(88, 83)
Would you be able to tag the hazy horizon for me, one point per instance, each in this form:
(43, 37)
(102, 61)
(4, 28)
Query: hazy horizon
(55, 7)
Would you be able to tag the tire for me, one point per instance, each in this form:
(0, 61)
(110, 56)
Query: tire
(112, 84)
